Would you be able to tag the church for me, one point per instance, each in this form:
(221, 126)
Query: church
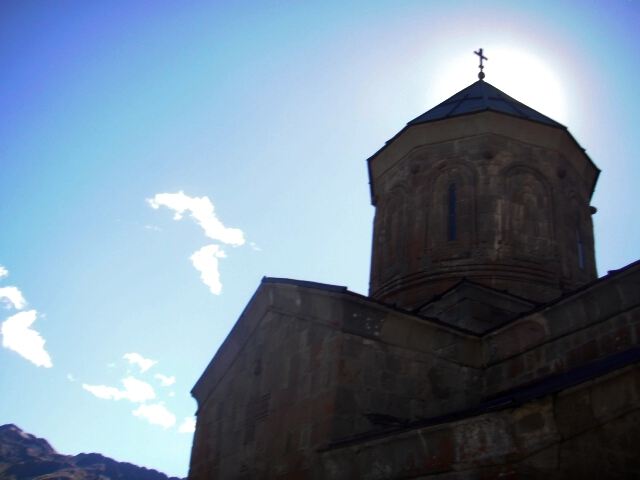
(488, 347)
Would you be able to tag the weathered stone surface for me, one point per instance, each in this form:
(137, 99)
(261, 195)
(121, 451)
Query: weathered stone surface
(518, 223)
(476, 308)
(489, 352)
(530, 441)
(302, 380)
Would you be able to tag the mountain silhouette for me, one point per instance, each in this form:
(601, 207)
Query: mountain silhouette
(26, 457)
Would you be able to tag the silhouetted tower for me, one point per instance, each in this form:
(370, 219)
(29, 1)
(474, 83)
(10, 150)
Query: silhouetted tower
(485, 188)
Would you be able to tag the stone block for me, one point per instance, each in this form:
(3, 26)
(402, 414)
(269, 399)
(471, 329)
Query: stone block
(342, 426)
(345, 403)
(534, 426)
(351, 348)
(582, 354)
(629, 290)
(377, 401)
(407, 385)
(363, 320)
(609, 300)
(566, 317)
(615, 394)
(495, 378)
(616, 341)
(440, 382)
(515, 338)
(542, 463)
(574, 412)
(388, 381)
(439, 449)
(483, 440)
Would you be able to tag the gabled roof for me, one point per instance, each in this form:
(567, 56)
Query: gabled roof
(482, 96)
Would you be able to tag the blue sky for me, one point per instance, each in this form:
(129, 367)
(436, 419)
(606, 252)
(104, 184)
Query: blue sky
(264, 112)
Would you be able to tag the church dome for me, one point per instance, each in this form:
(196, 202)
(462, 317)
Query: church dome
(479, 97)
(481, 187)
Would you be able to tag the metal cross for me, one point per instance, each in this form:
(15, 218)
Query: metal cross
(482, 57)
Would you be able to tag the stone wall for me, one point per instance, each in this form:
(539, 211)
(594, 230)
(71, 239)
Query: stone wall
(591, 324)
(522, 216)
(590, 432)
(381, 385)
(272, 408)
(394, 395)
(311, 366)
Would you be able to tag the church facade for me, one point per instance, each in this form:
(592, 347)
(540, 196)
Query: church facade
(487, 347)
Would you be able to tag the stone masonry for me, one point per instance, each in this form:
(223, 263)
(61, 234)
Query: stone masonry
(487, 348)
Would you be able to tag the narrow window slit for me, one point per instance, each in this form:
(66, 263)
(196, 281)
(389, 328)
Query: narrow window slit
(580, 246)
(452, 228)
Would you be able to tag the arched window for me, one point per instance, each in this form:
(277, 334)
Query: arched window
(530, 221)
(450, 223)
(393, 239)
(451, 214)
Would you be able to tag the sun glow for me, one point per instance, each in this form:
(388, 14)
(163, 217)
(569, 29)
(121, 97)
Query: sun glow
(517, 72)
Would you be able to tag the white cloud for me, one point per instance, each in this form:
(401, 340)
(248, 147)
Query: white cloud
(205, 261)
(12, 297)
(104, 392)
(255, 247)
(155, 228)
(165, 380)
(188, 425)
(143, 364)
(156, 414)
(3, 272)
(202, 211)
(134, 390)
(70, 377)
(137, 390)
(17, 335)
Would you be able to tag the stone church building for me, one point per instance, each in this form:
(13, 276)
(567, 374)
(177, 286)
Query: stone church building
(487, 347)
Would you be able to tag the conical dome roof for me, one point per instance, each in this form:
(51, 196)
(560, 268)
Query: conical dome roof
(478, 97)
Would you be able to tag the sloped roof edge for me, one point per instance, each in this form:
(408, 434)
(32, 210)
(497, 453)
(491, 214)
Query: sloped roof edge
(237, 344)
(481, 97)
(507, 399)
(611, 274)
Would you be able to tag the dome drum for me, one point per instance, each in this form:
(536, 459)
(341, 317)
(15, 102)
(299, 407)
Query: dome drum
(500, 200)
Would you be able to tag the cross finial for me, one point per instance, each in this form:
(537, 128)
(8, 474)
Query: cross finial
(482, 57)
